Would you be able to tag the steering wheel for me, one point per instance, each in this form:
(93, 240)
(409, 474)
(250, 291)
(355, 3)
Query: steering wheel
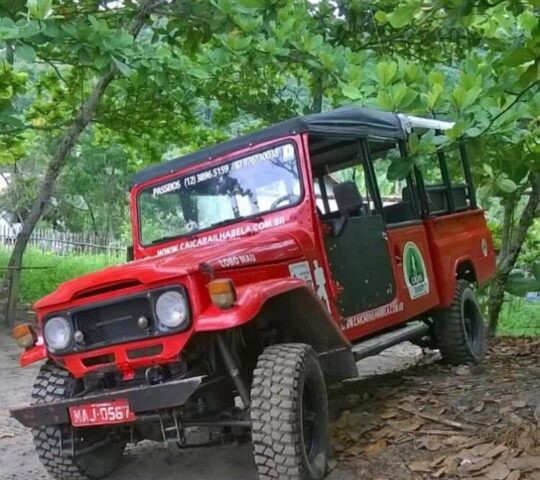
(289, 196)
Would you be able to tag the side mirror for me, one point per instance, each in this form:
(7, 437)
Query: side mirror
(130, 255)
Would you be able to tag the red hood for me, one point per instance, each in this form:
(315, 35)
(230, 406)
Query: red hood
(261, 248)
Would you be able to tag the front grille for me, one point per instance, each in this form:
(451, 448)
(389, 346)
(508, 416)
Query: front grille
(113, 323)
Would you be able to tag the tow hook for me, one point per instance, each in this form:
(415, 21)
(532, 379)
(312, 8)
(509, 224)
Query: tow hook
(154, 375)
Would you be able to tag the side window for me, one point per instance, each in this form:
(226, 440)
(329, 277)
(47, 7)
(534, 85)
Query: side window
(398, 200)
(442, 200)
(458, 182)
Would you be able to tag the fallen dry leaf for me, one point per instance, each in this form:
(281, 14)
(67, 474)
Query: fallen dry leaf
(375, 448)
(525, 463)
(388, 414)
(519, 404)
(406, 425)
(496, 450)
(420, 466)
(515, 475)
(473, 465)
(456, 440)
(479, 407)
(497, 471)
(429, 443)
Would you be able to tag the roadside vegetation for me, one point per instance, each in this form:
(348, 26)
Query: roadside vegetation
(43, 272)
(91, 91)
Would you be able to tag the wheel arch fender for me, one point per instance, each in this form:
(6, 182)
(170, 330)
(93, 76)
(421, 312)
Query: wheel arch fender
(464, 269)
(292, 305)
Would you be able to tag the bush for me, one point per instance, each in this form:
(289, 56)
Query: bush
(38, 282)
(519, 317)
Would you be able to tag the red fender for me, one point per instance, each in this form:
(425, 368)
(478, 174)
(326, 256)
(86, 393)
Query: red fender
(250, 300)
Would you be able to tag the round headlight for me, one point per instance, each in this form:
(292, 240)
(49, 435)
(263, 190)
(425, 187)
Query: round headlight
(171, 309)
(57, 333)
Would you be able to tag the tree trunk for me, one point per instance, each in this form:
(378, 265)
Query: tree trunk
(510, 252)
(65, 145)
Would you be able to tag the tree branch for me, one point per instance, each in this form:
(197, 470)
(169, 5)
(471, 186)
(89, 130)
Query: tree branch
(500, 114)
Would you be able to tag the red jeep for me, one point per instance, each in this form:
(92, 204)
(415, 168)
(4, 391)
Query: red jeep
(264, 267)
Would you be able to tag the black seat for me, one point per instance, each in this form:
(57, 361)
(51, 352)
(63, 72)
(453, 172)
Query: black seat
(348, 198)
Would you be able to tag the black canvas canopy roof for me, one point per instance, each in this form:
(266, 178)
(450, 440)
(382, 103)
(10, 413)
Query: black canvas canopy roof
(346, 123)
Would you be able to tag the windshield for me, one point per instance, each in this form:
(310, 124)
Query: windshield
(260, 183)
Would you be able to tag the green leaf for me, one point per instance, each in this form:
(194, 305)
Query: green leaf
(519, 285)
(399, 168)
(458, 97)
(39, 9)
(384, 100)
(506, 185)
(532, 74)
(519, 56)
(487, 168)
(352, 92)
(432, 98)
(122, 67)
(436, 78)
(386, 72)
(26, 53)
(403, 14)
(380, 16)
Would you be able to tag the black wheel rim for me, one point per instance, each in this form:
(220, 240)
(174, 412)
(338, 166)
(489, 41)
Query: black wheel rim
(472, 323)
(310, 417)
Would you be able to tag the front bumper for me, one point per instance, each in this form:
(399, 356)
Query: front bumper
(142, 398)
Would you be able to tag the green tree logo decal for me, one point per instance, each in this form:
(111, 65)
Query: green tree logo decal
(414, 271)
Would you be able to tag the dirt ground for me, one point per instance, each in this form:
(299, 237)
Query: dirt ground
(407, 417)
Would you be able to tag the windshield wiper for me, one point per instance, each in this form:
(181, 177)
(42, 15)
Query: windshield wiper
(252, 219)
(164, 239)
(222, 223)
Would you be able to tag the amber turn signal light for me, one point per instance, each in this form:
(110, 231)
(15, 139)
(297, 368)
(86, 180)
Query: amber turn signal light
(222, 292)
(24, 335)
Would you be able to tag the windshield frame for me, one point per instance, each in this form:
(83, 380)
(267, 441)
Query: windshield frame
(212, 164)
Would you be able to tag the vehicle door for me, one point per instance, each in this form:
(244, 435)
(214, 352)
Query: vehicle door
(416, 288)
(355, 239)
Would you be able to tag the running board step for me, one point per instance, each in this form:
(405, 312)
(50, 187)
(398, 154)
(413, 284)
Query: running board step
(377, 344)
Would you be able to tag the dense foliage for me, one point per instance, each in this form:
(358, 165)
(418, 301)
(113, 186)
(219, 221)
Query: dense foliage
(168, 77)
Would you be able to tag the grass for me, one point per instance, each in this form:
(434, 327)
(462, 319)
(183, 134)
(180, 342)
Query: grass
(519, 318)
(38, 282)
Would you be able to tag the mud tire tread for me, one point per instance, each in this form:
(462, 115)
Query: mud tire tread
(54, 384)
(276, 426)
(450, 332)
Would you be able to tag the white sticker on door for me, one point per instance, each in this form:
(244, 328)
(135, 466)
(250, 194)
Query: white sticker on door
(301, 270)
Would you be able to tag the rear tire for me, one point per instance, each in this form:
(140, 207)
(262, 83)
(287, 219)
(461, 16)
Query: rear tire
(460, 329)
(289, 414)
(55, 384)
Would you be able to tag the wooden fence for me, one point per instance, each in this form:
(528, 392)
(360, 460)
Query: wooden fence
(65, 243)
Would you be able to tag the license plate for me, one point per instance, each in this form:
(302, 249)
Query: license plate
(103, 413)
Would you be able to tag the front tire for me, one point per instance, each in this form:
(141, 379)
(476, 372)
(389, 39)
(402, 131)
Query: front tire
(55, 384)
(289, 414)
(459, 329)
